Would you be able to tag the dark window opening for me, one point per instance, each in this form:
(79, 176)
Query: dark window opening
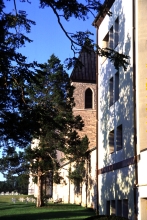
(119, 207)
(116, 86)
(113, 211)
(111, 38)
(125, 208)
(116, 32)
(108, 208)
(111, 90)
(119, 138)
(111, 142)
(88, 98)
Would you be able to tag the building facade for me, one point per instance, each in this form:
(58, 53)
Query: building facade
(122, 113)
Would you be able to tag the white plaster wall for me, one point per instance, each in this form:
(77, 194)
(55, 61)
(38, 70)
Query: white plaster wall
(62, 190)
(122, 111)
(117, 184)
(92, 183)
(67, 191)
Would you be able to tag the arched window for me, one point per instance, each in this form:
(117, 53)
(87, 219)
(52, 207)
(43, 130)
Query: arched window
(88, 98)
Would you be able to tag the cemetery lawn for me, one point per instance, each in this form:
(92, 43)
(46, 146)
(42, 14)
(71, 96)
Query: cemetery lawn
(28, 211)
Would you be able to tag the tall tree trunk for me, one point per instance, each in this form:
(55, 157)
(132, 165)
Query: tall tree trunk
(39, 193)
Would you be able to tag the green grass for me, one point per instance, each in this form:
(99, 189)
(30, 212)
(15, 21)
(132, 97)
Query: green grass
(23, 211)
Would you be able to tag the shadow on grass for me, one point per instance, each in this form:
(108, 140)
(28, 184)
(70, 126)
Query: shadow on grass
(14, 205)
(48, 215)
(52, 212)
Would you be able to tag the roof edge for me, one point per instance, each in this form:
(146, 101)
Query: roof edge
(101, 15)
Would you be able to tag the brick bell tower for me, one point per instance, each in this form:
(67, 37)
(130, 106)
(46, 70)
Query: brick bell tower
(84, 80)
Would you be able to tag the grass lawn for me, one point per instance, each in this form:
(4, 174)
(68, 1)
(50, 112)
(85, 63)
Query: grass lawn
(28, 211)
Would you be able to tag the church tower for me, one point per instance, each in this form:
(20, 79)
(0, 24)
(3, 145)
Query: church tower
(84, 80)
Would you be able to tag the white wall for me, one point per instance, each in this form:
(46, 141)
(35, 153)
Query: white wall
(117, 184)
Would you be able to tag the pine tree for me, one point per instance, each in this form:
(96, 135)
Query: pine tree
(15, 75)
(51, 101)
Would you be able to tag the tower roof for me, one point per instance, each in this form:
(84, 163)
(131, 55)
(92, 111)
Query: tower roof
(86, 72)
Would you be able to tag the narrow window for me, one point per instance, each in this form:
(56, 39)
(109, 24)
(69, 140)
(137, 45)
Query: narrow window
(111, 38)
(111, 142)
(108, 39)
(125, 208)
(113, 211)
(116, 86)
(116, 32)
(105, 43)
(88, 98)
(111, 90)
(119, 207)
(119, 138)
(108, 208)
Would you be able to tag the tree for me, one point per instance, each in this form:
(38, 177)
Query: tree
(16, 74)
(52, 101)
(30, 96)
(55, 127)
(17, 184)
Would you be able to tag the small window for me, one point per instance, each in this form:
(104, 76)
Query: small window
(88, 98)
(116, 86)
(111, 91)
(114, 89)
(116, 32)
(108, 208)
(111, 142)
(119, 138)
(113, 210)
(111, 38)
(125, 208)
(106, 41)
(119, 207)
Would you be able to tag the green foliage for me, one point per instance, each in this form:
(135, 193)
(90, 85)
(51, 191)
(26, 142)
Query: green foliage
(57, 178)
(78, 173)
(15, 75)
(51, 101)
(15, 183)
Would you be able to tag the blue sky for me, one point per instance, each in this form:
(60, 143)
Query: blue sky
(47, 36)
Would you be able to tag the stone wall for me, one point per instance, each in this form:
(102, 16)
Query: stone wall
(88, 115)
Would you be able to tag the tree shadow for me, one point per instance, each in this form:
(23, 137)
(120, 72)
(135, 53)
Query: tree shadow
(57, 212)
